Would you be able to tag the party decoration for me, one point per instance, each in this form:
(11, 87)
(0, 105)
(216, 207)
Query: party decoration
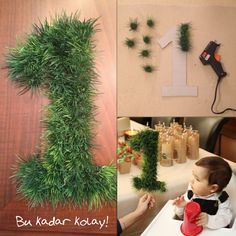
(147, 142)
(58, 59)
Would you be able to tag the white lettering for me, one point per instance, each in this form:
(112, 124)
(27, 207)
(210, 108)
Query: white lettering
(102, 224)
(20, 222)
(38, 221)
(76, 221)
(87, 222)
(53, 222)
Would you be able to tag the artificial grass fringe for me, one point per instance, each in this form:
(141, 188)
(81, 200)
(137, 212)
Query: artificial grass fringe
(58, 58)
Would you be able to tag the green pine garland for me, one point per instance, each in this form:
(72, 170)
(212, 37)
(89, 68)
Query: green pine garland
(184, 35)
(147, 141)
(58, 58)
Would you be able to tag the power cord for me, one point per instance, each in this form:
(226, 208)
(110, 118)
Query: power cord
(212, 106)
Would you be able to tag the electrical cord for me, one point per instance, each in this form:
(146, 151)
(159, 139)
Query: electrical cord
(212, 106)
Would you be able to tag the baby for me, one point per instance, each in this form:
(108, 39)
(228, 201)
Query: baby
(210, 176)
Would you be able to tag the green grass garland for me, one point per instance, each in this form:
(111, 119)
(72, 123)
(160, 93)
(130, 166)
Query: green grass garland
(148, 68)
(133, 25)
(58, 58)
(147, 141)
(184, 37)
(145, 53)
(150, 23)
(130, 43)
(147, 39)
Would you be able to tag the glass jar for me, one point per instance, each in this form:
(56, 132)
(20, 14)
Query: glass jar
(166, 158)
(193, 145)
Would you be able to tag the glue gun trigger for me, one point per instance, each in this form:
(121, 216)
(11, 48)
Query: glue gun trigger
(217, 56)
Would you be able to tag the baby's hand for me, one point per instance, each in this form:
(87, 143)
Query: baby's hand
(202, 219)
(179, 201)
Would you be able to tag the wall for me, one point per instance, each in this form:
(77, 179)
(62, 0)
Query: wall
(20, 127)
(139, 93)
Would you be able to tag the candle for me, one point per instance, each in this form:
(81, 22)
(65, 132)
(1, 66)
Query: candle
(130, 133)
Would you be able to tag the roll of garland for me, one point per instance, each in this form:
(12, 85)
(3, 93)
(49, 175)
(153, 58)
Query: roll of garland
(59, 59)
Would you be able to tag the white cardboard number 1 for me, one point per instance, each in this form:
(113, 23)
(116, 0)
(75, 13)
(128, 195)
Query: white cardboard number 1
(179, 86)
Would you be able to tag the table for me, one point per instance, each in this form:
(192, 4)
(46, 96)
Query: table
(164, 224)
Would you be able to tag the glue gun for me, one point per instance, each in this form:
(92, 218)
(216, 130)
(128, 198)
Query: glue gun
(209, 56)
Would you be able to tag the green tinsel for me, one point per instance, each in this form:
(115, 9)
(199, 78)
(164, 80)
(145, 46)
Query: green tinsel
(184, 35)
(147, 142)
(58, 58)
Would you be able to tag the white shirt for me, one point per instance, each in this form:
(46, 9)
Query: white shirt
(221, 219)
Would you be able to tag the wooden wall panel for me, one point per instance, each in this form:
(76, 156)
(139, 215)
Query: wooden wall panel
(227, 141)
(20, 127)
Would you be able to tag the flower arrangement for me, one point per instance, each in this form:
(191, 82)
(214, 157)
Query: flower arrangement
(124, 153)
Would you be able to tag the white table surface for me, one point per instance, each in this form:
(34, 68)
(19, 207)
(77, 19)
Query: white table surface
(164, 224)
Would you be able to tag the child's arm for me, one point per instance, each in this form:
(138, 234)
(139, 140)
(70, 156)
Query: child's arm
(179, 204)
(221, 219)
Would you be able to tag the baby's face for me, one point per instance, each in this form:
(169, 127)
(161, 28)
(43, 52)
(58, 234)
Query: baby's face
(199, 181)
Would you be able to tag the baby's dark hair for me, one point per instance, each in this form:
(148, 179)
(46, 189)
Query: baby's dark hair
(219, 171)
